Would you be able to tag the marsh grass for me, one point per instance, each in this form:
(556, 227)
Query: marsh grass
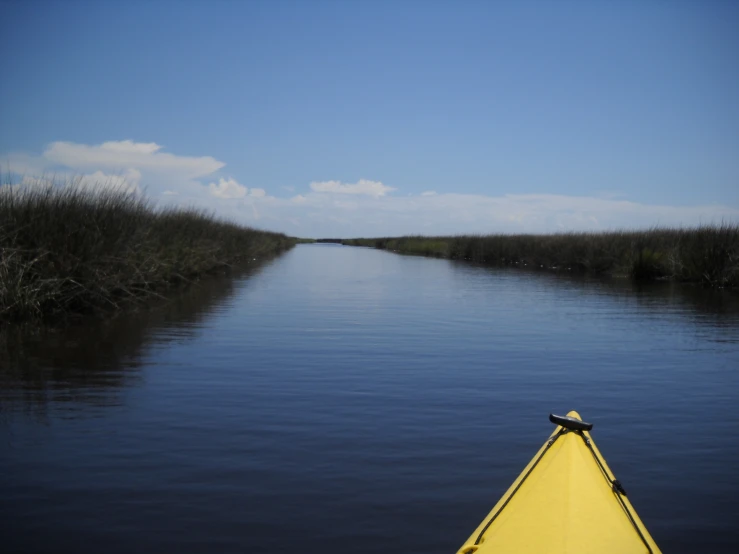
(708, 255)
(72, 250)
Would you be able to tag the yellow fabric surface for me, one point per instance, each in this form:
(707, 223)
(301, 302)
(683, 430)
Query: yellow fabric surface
(566, 505)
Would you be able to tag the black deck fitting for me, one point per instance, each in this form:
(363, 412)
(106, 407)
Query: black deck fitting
(570, 422)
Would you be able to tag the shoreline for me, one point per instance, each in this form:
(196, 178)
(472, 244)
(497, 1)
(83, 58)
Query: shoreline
(66, 251)
(707, 255)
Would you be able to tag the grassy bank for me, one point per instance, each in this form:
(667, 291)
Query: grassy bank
(708, 255)
(67, 250)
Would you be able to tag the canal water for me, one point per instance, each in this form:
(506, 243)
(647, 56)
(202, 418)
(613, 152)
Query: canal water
(345, 399)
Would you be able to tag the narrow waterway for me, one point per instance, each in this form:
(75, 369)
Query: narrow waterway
(345, 399)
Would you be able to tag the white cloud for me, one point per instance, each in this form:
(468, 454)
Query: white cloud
(26, 184)
(120, 155)
(112, 162)
(127, 181)
(126, 164)
(228, 188)
(346, 205)
(25, 164)
(128, 147)
(363, 186)
(41, 182)
(318, 214)
(333, 208)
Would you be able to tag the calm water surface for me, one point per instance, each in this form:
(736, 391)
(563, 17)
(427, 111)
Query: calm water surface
(351, 400)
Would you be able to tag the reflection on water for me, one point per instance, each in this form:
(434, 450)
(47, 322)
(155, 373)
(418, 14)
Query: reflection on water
(347, 399)
(714, 308)
(90, 362)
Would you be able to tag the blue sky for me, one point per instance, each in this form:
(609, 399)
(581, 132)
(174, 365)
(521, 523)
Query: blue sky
(333, 118)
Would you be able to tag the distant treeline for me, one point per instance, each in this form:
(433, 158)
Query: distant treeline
(708, 255)
(69, 250)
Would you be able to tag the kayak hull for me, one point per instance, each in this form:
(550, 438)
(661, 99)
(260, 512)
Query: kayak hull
(566, 500)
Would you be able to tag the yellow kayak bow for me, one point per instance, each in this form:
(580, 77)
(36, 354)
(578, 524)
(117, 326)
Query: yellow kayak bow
(566, 500)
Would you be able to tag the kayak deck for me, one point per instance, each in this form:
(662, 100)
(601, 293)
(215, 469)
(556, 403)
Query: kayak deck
(566, 500)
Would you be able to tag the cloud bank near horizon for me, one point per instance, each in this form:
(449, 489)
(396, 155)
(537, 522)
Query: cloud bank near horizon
(337, 209)
(363, 186)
